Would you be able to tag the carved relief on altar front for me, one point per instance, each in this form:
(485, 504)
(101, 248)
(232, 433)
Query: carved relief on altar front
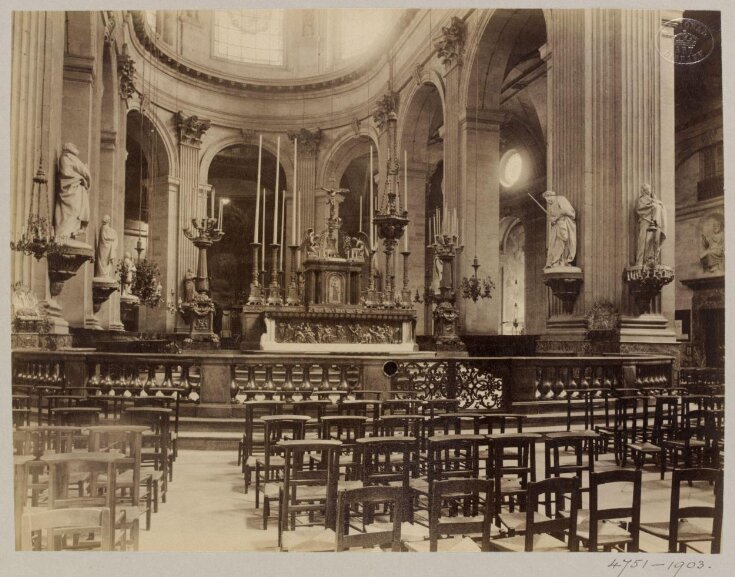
(338, 332)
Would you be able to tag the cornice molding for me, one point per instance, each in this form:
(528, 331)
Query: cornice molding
(198, 72)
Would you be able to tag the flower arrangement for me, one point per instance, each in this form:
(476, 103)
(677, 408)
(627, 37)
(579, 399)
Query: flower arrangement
(144, 281)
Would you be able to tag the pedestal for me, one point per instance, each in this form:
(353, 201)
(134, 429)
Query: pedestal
(64, 265)
(564, 282)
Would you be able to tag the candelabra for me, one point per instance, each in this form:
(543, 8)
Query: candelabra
(274, 289)
(293, 297)
(474, 287)
(389, 221)
(203, 233)
(199, 312)
(446, 248)
(256, 291)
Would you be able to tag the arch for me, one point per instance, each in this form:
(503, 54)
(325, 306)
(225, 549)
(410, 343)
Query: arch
(489, 47)
(269, 144)
(430, 77)
(419, 112)
(166, 136)
(344, 150)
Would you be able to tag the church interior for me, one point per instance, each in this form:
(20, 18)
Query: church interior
(367, 279)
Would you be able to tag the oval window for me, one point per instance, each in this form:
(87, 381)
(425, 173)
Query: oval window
(511, 167)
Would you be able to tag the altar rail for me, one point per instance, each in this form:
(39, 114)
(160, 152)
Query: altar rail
(229, 377)
(703, 380)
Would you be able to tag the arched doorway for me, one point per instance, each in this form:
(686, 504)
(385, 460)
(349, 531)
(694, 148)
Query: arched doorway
(233, 174)
(146, 200)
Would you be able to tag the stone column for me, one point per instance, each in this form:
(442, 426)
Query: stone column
(306, 177)
(80, 124)
(480, 137)
(190, 130)
(163, 237)
(37, 77)
(416, 238)
(611, 128)
(450, 49)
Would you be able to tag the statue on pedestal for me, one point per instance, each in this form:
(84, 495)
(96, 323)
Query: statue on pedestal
(562, 231)
(651, 227)
(128, 276)
(105, 250)
(190, 291)
(71, 210)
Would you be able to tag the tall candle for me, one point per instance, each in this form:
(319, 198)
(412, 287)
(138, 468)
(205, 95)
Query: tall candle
(275, 205)
(283, 227)
(257, 191)
(219, 217)
(293, 187)
(372, 202)
(405, 197)
(211, 207)
(360, 213)
(262, 248)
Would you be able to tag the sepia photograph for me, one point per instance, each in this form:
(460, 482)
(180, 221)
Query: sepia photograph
(373, 278)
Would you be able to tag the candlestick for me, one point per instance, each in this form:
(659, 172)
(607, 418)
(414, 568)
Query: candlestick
(275, 206)
(295, 189)
(219, 216)
(262, 256)
(274, 290)
(257, 191)
(372, 202)
(283, 228)
(406, 292)
(360, 213)
(292, 297)
(405, 181)
(256, 294)
(211, 207)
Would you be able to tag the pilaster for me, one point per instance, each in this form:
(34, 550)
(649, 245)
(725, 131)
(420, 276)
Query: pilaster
(308, 150)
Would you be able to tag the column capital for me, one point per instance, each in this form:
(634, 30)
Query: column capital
(386, 106)
(190, 129)
(309, 140)
(450, 45)
(126, 74)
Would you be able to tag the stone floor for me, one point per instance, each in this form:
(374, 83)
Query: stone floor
(207, 509)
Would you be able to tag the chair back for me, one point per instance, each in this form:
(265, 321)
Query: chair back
(553, 523)
(556, 444)
(454, 490)
(633, 512)
(300, 473)
(513, 454)
(369, 497)
(360, 407)
(279, 428)
(60, 523)
(125, 439)
(714, 512)
(665, 419)
(453, 456)
(407, 425)
(253, 411)
(401, 406)
(499, 422)
(344, 428)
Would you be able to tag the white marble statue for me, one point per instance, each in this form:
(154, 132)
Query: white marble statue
(127, 281)
(561, 230)
(190, 291)
(105, 250)
(651, 227)
(71, 210)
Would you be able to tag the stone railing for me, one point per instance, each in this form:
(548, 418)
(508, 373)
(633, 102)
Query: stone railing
(704, 380)
(222, 379)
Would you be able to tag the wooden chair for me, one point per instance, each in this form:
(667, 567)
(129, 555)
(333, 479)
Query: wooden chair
(595, 528)
(631, 437)
(456, 527)
(308, 489)
(367, 498)
(128, 440)
(693, 439)
(156, 457)
(370, 408)
(401, 406)
(557, 445)
(60, 524)
(511, 464)
(100, 489)
(448, 457)
(346, 429)
(545, 533)
(314, 408)
(248, 447)
(269, 467)
(679, 531)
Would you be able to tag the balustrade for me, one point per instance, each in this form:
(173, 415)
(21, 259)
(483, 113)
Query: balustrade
(484, 383)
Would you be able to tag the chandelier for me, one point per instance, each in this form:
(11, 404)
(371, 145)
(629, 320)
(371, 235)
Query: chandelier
(37, 238)
(475, 288)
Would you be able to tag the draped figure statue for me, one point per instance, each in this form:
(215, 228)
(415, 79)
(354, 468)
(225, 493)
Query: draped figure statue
(105, 250)
(562, 230)
(71, 210)
(651, 227)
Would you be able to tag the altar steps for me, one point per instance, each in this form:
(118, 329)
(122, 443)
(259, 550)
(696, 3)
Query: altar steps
(224, 432)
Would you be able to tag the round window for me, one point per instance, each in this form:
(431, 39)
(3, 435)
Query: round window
(511, 168)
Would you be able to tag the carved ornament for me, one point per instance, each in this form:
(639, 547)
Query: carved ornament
(190, 129)
(450, 46)
(309, 140)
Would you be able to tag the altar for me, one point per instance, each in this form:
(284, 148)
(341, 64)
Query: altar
(325, 307)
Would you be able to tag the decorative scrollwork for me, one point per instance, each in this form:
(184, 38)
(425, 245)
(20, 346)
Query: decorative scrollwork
(479, 386)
